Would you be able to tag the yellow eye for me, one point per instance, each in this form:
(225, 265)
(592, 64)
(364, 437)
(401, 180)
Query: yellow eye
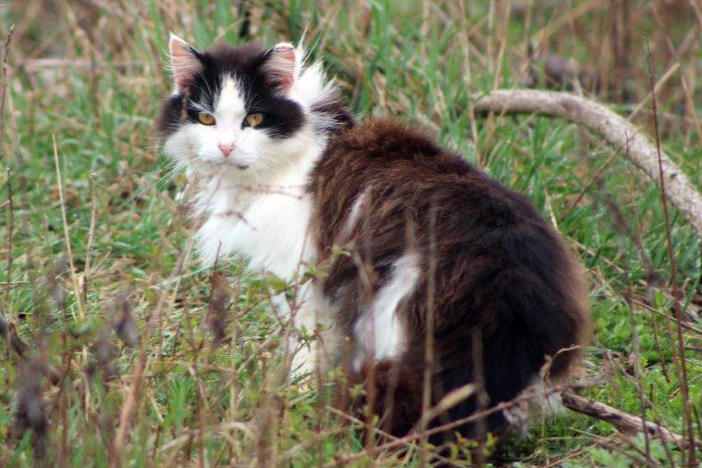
(206, 118)
(254, 120)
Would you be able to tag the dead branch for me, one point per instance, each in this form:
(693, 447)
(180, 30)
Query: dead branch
(625, 422)
(3, 90)
(614, 128)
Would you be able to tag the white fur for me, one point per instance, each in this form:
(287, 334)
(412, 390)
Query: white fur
(313, 310)
(379, 332)
(229, 112)
(254, 201)
(535, 401)
(312, 88)
(271, 229)
(354, 214)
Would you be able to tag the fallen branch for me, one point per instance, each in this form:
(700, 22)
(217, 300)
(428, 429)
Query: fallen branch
(612, 127)
(625, 422)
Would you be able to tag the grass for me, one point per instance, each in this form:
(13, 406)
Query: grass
(133, 314)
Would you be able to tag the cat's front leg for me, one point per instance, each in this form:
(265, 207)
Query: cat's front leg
(316, 339)
(215, 239)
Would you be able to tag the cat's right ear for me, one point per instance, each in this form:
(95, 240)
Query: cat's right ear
(185, 62)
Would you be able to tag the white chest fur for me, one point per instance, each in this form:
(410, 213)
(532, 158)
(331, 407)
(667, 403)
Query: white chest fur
(268, 224)
(271, 231)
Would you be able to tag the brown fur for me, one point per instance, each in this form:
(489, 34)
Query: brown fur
(500, 270)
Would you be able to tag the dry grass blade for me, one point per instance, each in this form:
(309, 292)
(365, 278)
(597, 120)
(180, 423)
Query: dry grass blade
(455, 397)
(59, 183)
(3, 90)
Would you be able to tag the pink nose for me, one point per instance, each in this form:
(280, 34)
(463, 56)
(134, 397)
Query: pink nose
(226, 149)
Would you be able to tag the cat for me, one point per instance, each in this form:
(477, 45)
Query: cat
(413, 242)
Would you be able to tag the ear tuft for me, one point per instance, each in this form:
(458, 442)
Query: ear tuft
(280, 66)
(185, 62)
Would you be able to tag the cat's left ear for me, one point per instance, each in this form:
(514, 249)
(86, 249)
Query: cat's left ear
(280, 66)
(185, 62)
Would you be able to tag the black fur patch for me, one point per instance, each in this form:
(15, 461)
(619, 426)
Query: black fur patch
(282, 116)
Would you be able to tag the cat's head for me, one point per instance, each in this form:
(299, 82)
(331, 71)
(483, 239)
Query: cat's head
(244, 110)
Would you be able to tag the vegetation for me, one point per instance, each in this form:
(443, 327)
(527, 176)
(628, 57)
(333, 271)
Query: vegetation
(118, 348)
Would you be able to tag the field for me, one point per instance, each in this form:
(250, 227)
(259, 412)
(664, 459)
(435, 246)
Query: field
(118, 349)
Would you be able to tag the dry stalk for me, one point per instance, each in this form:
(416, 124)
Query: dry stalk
(656, 90)
(453, 398)
(3, 90)
(468, 76)
(611, 126)
(687, 415)
(64, 217)
(543, 35)
(10, 229)
(429, 356)
(3, 95)
(91, 237)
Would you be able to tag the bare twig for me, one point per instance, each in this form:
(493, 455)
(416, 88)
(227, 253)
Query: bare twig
(3, 90)
(3, 95)
(611, 126)
(625, 422)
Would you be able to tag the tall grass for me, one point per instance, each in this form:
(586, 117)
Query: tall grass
(119, 349)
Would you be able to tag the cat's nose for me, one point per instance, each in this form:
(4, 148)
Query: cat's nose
(226, 148)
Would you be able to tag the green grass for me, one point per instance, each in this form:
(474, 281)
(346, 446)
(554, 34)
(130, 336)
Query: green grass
(205, 404)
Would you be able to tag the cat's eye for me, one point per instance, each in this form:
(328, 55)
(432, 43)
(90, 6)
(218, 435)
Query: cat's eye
(206, 118)
(253, 120)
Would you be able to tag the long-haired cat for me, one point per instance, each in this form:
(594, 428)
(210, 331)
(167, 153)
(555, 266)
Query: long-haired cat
(416, 245)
